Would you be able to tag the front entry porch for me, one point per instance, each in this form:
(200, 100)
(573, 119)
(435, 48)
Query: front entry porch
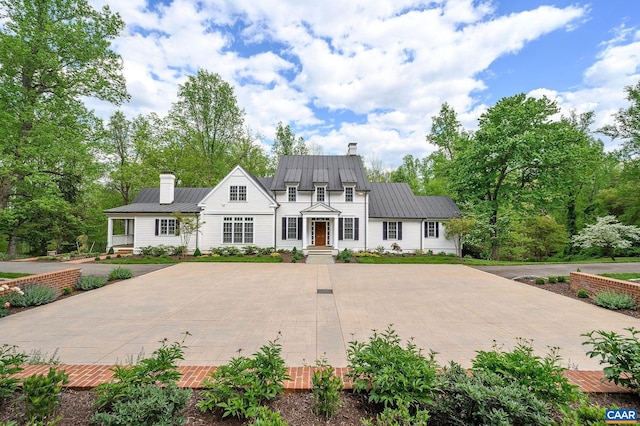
(319, 225)
(120, 235)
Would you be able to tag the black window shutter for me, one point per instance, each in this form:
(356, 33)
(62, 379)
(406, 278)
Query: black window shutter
(299, 228)
(384, 230)
(437, 229)
(356, 228)
(399, 230)
(284, 228)
(177, 227)
(157, 226)
(426, 229)
(340, 229)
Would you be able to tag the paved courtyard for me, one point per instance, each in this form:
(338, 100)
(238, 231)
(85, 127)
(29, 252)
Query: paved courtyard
(451, 309)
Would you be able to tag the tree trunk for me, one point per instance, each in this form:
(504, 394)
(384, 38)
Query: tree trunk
(493, 226)
(12, 248)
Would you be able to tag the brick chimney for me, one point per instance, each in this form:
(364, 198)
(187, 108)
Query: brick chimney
(167, 186)
(353, 149)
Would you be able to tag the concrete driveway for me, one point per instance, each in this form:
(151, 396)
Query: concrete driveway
(451, 309)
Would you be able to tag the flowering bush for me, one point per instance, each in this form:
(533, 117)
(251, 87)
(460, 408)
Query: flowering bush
(5, 290)
(275, 254)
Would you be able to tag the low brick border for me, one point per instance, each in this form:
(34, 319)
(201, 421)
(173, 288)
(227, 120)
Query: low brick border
(595, 284)
(83, 377)
(56, 280)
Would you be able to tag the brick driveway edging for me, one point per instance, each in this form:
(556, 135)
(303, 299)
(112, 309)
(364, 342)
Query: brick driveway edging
(89, 376)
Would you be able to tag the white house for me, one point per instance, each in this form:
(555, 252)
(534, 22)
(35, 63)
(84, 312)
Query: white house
(313, 202)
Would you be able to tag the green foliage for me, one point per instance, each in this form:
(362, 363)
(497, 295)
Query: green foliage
(552, 280)
(619, 354)
(228, 251)
(10, 364)
(539, 281)
(110, 251)
(120, 274)
(543, 377)
(545, 236)
(67, 290)
(90, 282)
(42, 395)
(562, 278)
(250, 250)
(584, 415)
(390, 374)
(399, 416)
(145, 393)
(242, 385)
(34, 295)
(622, 275)
(608, 234)
(197, 252)
(486, 398)
(265, 417)
(326, 390)
(458, 229)
(582, 293)
(614, 300)
(345, 255)
(38, 357)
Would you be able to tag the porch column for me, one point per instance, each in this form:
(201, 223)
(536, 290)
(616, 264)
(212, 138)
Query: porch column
(109, 233)
(335, 233)
(304, 232)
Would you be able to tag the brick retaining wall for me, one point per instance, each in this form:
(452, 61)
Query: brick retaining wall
(56, 280)
(595, 284)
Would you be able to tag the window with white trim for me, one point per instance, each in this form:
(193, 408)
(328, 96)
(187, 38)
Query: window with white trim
(348, 228)
(238, 193)
(431, 230)
(292, 193)
(292, 228)
(167, 226)
(321, 194)
(392, 230)
(237, 230)
(348, 194)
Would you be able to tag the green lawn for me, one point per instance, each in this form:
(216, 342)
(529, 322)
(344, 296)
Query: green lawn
(13, 275)
(262, 259)
(163, 260)
(435, 260)
(622, 275)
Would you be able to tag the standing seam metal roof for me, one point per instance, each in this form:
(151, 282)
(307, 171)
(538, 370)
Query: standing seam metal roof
(148, 201)
(396, 200)
(310, 165)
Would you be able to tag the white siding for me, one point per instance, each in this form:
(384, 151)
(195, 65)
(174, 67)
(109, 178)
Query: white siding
(440, 244)
(145, 229)
(212, 231)
(411, 234)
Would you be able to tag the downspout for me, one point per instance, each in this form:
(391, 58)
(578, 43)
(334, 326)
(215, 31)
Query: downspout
(422, 225)
(366, 221)
(197, 230)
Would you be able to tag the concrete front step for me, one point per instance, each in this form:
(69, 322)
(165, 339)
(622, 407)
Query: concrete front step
(320, 259)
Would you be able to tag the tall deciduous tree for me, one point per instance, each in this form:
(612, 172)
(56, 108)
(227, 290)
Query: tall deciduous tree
(287, 143)
(53, 53)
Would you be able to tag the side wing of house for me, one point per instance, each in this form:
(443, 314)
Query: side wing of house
(239, 211)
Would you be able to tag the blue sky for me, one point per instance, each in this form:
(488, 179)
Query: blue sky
(375, 72)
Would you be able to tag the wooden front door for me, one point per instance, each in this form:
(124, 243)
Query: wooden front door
(321, 234)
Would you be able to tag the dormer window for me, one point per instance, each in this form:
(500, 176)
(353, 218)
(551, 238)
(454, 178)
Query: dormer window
(348, 194)
(237, 193)
(292, 194)
(321, 194)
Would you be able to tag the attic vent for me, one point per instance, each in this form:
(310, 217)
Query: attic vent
(325, 291)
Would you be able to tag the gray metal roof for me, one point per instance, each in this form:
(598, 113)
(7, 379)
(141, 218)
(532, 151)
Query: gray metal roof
(347, 176)
(396, 200)
(265, 182)
(148, 201)
(310, 165)
(293, 176)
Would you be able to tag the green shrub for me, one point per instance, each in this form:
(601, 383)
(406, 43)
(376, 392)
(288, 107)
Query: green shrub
(582, 293)
(544, 377)
(145, 393)
(176, 250)
(10, 364)
(584, 415)
(552, 280)
(539, 281)
(399, 416)
(326, 391)
(250, 250)
(118, 256)
(619, 354)
(242, 385)
(266, 417)
(158, 251)
(120, 274)
(391, 375)
(42, 396)
(90, 282)
(266, 251)
(197, 252)
(614, 300)
(562, 278)
(34, 294)
(485, 398)
(67, 290)
(110, 251)
(146, 251)
(345, 255)
(97, 258)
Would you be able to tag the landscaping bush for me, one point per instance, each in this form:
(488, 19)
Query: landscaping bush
(345, 255)
(399, 416)
(326, 391)
(42, 396)
(10, 364)
(266, 417)
(110, 250)
(539, 281)
(389, 374)
(158, 251)
(543, 377)
(485, 398)
(34, 294)
(120, 274)
(243, 384)
(582, 293)
(146, 251)
(552, 280)
(614, 300)
(266, 251)
(619, 354)
(145, 393)
(250, 250)
(90, 282)
(197, 252)
(176, 250)
(562, 278)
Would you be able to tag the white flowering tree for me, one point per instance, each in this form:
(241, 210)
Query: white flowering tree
(608, 234)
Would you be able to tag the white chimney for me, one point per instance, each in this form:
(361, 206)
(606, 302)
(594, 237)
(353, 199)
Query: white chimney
(167, 184)
(353, 149)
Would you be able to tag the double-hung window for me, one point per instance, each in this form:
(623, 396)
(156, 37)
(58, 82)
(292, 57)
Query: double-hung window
(431, 230)
(292, 194)
(348, 194)
(166, 227)
(348, 228)
(292, 228)
(237, 230)
(238, 193)
(321, 194)
(392, 230)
